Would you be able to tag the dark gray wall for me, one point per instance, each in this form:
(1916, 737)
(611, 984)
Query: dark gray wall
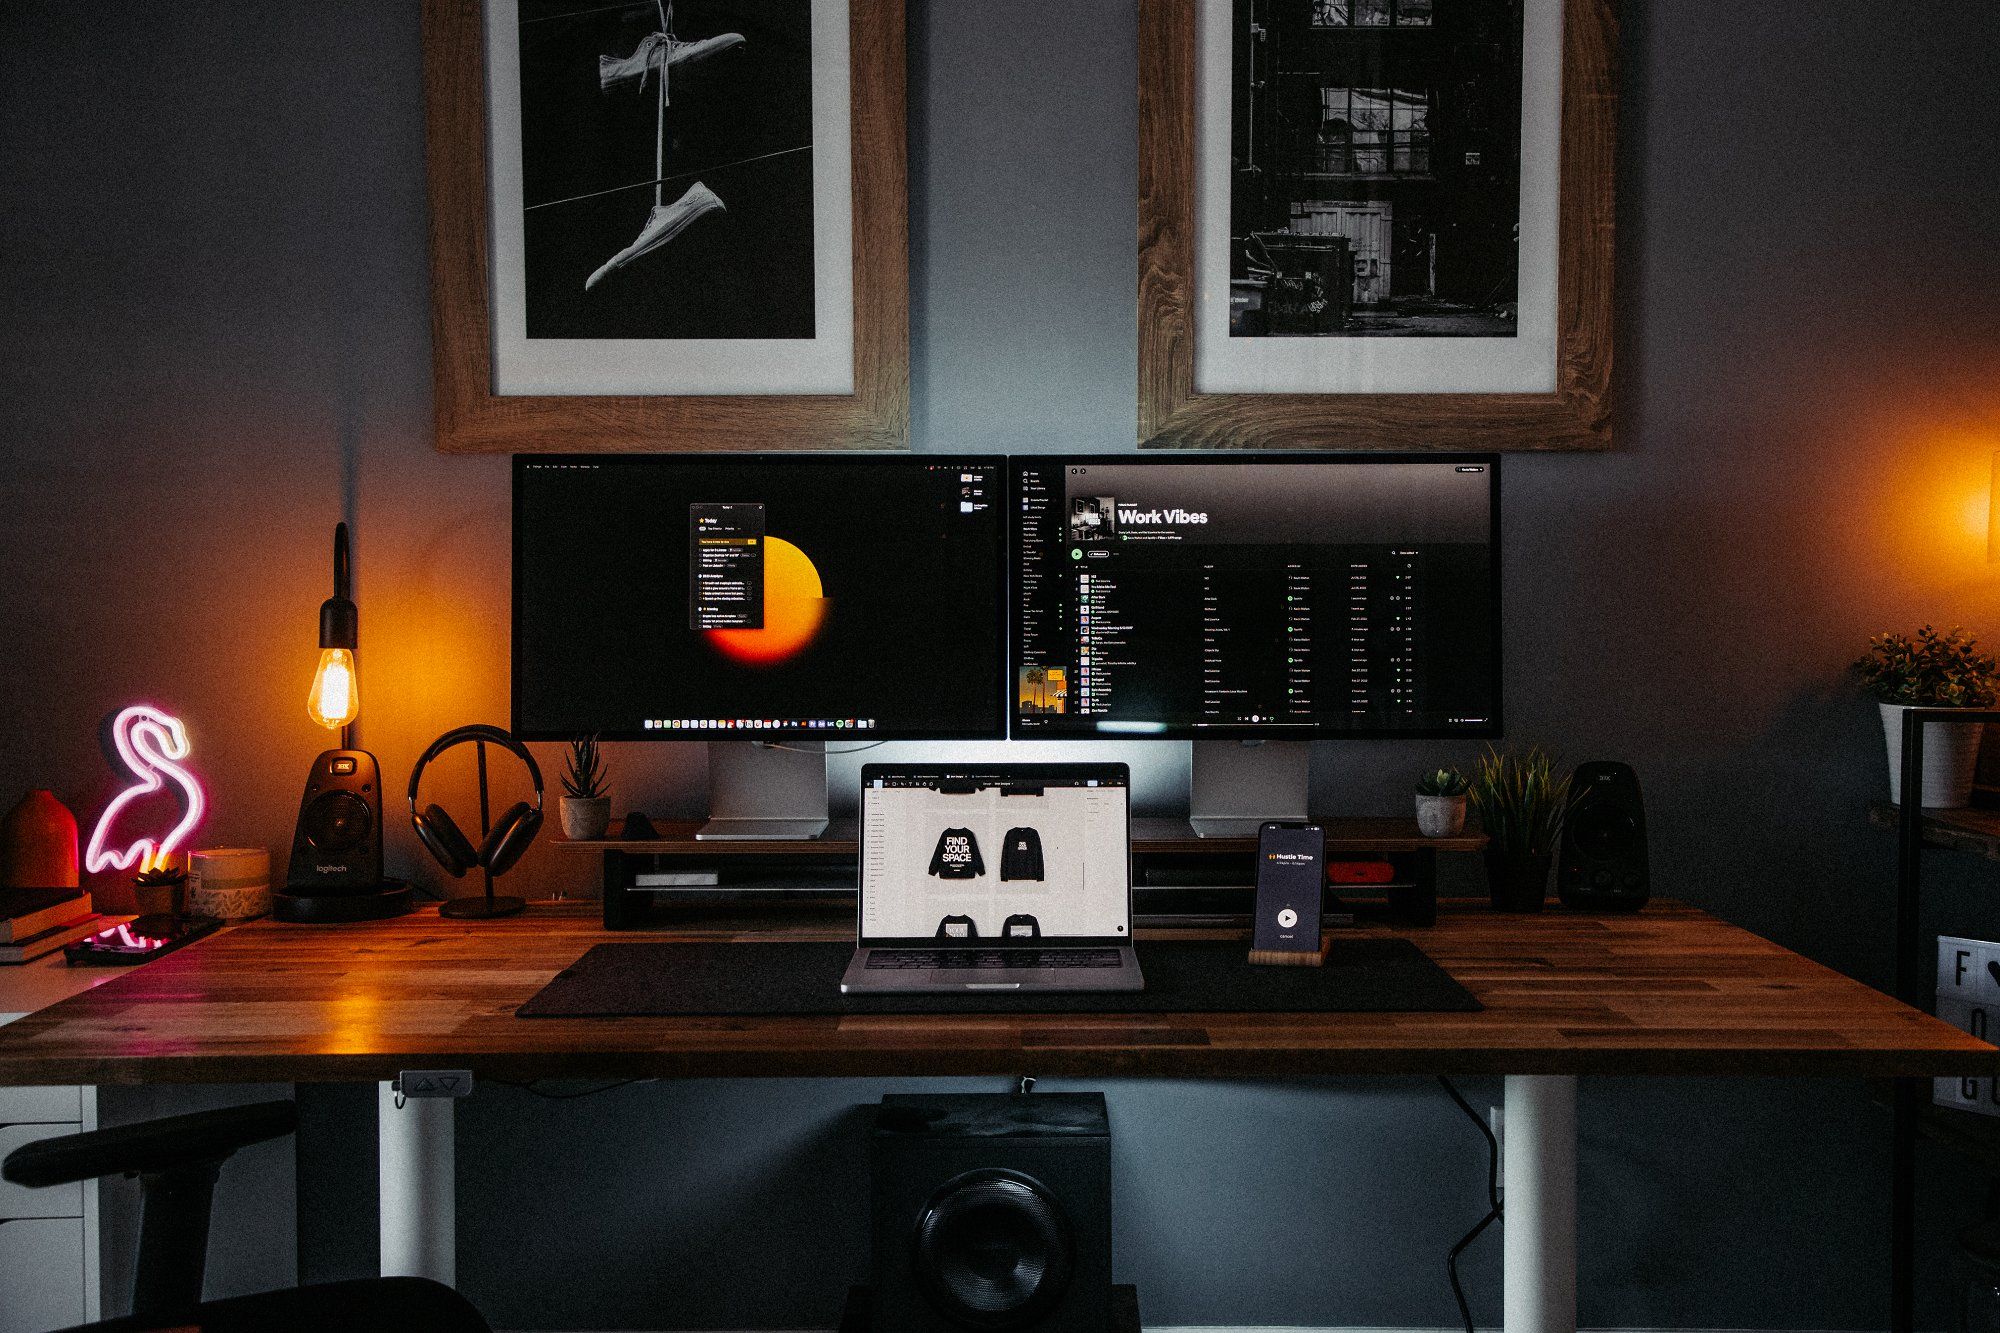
(212, 261)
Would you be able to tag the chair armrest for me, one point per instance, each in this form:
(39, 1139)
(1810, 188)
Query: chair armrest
(150, 1147)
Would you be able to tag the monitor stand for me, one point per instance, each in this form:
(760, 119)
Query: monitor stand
(765, 794)
(1234, 786)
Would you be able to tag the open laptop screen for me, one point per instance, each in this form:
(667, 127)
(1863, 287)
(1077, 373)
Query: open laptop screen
(1004, 853)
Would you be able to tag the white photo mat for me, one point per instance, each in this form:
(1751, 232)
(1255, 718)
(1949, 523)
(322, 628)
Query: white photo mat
(823, 364)
(1525, 363)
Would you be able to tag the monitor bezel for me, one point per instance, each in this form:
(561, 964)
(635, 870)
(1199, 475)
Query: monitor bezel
(1184, 732)
(1079, 771)
(994, 727)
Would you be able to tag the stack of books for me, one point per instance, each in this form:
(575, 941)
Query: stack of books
(34, 922)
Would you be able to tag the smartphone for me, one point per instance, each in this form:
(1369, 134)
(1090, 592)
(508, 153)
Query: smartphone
(1291, 861)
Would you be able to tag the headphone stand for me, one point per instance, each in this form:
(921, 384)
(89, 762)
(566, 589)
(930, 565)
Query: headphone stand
(488, 907)
(481, 909)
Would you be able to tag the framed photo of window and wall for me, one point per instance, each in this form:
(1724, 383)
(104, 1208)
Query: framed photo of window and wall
(1376, 223)
(668, 224)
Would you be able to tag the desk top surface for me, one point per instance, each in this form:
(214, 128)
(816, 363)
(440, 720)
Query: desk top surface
(1671, 990)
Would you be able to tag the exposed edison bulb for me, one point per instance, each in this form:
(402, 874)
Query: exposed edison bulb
(336, 696)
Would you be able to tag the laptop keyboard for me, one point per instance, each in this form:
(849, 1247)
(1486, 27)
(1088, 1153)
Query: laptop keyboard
(932, 960)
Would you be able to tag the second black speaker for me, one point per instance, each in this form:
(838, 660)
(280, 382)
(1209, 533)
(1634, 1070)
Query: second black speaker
(992, 1212)
(1602, 867)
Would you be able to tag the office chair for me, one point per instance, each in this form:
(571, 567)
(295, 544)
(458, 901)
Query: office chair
(177, 1159)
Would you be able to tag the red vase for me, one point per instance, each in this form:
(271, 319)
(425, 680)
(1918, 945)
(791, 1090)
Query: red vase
(38, 844)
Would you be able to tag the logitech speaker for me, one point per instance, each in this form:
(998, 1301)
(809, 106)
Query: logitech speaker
(1602, 867)
(992, 1213)
(337, 847)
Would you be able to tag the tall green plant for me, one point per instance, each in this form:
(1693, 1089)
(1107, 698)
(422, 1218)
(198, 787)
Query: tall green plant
(1521, 801)
(1932, 670)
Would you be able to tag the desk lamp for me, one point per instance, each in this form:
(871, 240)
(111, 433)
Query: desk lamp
(336, 865)
(335, 699)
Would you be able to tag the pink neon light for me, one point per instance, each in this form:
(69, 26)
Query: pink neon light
(149, 743)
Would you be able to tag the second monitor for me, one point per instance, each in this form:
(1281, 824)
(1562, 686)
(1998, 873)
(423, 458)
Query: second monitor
(1258, 599)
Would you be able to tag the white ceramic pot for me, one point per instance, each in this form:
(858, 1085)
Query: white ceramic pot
(585, 819)
(1951, 756)
(1440, 816)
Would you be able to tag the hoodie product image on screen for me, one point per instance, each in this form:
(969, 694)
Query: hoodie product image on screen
(1021, 854)
(957, 855)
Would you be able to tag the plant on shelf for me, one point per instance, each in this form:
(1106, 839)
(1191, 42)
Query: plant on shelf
(1931, 670)
(586, 804)
(158, 889)
(1521, 803)
(1441, 803)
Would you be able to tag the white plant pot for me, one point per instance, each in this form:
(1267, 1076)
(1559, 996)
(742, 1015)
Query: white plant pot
(1951, 756)
(585, 820)
(1440, 816)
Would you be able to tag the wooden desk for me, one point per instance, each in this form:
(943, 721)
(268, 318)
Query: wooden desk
(1669, 991)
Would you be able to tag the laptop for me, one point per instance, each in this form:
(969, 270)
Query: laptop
(998, 877)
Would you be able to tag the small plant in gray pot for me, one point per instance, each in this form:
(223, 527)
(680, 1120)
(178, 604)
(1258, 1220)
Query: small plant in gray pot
(1932, 670)
(1441, 803)
(1521, 804)
(586, 809)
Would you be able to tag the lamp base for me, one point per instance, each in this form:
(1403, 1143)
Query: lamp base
(481, 908)
(388, 899)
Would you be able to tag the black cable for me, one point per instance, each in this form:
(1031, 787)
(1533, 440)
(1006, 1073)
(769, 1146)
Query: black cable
(1492, 1199)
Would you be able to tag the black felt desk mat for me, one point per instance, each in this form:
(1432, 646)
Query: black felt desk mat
(725, 979)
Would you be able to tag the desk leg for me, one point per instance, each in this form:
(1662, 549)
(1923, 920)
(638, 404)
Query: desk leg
(418, 1211)
(1538, 1255)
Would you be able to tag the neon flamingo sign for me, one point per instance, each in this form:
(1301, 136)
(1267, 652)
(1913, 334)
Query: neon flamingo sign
(151, 745)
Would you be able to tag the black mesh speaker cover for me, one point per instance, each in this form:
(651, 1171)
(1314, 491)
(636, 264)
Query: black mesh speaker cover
(993, 1249)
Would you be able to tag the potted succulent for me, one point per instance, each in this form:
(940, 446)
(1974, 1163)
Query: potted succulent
(1521, 804)
(160, 890)
(1441, 803)
(1931, 670)
(586, 809)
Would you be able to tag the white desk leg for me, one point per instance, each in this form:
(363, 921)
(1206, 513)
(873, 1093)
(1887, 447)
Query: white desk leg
(418, 1212)
(1538, 1258)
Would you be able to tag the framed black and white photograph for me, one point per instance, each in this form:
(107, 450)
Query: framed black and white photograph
(687, 242)
(1370, 222)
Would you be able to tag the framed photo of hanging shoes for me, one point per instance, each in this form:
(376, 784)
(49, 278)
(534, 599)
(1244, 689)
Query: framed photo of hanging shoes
(1376, 223)
(668, 224)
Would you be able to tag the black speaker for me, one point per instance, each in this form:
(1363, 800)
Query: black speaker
(336, 867)
(992, 1213)
(1602, 867)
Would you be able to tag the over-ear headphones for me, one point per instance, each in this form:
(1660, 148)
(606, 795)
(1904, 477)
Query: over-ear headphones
(512, 832)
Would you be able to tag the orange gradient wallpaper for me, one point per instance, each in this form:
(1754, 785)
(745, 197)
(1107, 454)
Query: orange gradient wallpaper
(795, 606)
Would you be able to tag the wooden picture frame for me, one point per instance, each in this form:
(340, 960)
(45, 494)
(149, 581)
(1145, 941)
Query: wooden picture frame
(472, 418)
(1172, 414)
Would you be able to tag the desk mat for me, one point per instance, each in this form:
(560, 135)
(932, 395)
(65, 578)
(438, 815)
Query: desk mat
(724, 979)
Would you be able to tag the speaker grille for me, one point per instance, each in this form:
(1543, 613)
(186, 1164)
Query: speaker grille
(337, 821)
(993, 1249)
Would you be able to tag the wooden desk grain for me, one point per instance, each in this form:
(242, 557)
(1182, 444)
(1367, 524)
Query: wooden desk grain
(1669, 991)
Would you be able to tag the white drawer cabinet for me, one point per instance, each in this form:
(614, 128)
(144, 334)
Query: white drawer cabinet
(41, 1106)
(48, 1238)
(20, 1201)
(42, 1276)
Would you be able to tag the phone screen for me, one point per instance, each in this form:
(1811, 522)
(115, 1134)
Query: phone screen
(1290, 861)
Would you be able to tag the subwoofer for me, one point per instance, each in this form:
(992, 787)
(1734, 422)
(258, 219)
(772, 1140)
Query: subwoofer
(992, 1213)
(1602, 867)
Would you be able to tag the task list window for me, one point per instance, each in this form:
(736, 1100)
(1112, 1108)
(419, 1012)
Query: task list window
(725, 566)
